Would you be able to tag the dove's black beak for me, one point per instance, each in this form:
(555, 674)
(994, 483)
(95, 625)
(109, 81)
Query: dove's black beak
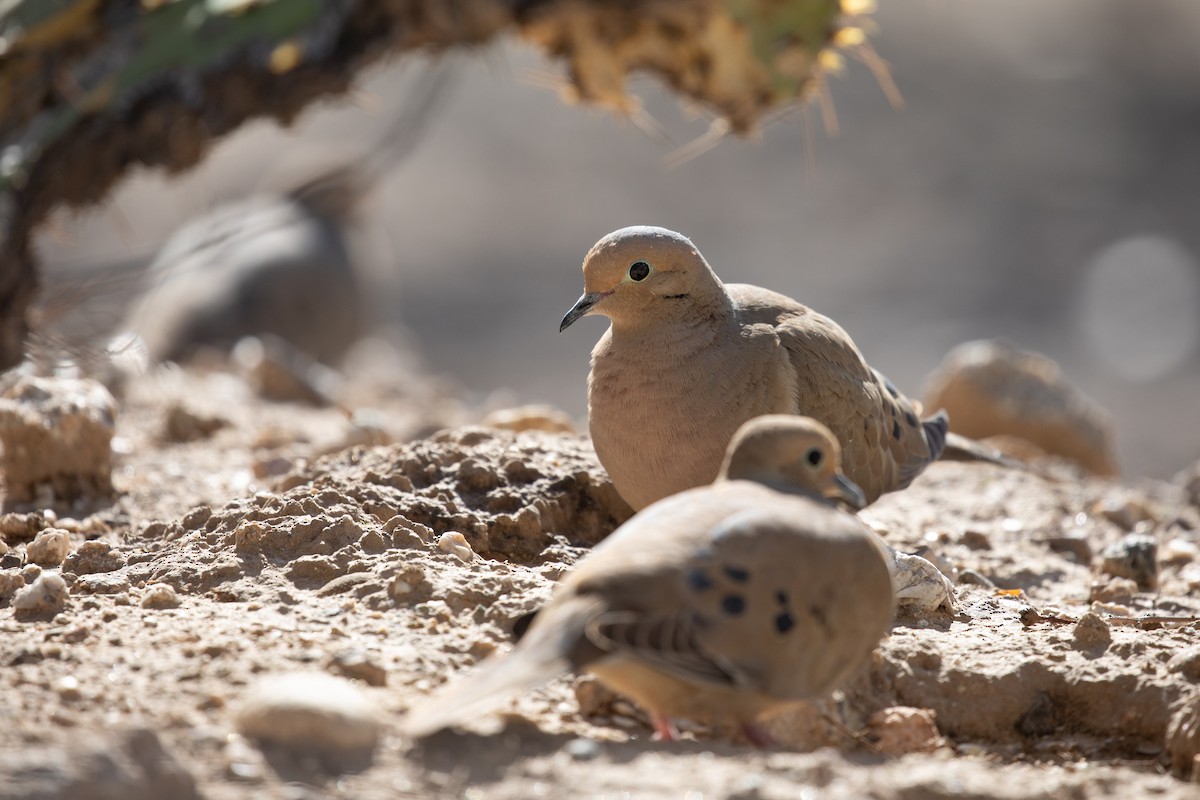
(848, 490)
(582, 306)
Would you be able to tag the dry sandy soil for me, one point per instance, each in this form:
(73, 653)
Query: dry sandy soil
(297, 539)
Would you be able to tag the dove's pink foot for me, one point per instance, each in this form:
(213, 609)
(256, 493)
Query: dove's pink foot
(664, 729)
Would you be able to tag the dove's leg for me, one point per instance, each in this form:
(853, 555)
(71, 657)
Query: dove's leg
(758, 735)
(664, 729)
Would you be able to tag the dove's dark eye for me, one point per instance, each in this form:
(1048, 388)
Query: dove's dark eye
(814, 456)
(639, 270)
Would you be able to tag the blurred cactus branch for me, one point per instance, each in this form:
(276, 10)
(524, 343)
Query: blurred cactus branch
(91, 88)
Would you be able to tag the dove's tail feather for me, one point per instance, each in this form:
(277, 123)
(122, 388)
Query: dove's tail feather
(544, 653)
(960, 448)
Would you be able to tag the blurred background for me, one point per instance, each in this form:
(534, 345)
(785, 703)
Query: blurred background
(1042, 184)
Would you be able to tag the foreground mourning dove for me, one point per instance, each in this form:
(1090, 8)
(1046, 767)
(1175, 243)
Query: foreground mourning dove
(688, 359)
(721, 603)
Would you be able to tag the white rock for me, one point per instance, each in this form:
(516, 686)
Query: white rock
(47, 595)
(159, 595)
(918, 583)
(49, 548)
(309, 711)
(456, 544)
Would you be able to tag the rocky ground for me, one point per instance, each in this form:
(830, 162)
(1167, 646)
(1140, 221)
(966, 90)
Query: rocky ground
(271, 584)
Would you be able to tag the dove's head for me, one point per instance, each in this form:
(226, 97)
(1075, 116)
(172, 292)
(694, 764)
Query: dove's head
(643, 275)
(790, 453)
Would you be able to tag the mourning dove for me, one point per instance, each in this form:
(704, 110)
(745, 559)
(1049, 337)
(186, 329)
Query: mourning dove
(687, 359)
(277, 264)
(721, 603)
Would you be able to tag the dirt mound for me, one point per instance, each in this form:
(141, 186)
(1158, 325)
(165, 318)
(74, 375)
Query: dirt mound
(398, 566)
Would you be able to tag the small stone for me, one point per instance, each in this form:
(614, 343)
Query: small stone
(975, 540)
(15, 528)
(456, 544)
(1114, 590)
(282, 373)
(57, 435)
(1076, 546)
(272, 466)
(1092, 632)
(1187, 663)
(1136, 557)
(582, 749)
(49, 548)
(45, 597)
(160, 595)
(31, 572)
(1112, 609)
(901, 729)
(969, 577)
(1125, 512)
(67, 688)
(920, 586)
(113, 583)
(309, 712)
(181, 425)
(1179, 551)
(10, 581)
(358, 664)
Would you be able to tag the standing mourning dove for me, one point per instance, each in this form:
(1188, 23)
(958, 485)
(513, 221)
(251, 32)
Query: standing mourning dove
(688, 359)
(721, 603)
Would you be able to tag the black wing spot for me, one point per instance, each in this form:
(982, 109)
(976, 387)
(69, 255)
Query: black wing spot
(896, 430)
(699, 581)
(784, 622)
(781, 597)
(910, 418)
(675, 296)
(733, 604)
(738, 574)
(891, 388)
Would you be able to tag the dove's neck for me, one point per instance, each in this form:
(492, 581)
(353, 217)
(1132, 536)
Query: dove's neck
(680, 325)
(771, 479)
